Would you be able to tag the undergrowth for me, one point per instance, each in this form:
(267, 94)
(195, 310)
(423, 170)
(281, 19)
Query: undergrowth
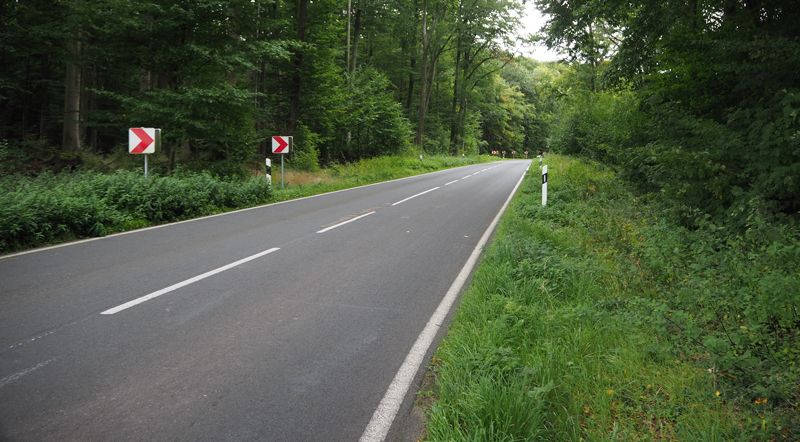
(597, 318)
(51, 208)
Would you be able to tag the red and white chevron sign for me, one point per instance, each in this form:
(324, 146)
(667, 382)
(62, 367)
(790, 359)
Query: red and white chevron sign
(281, 144)
(142, 140)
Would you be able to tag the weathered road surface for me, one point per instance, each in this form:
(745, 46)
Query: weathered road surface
(285, 322)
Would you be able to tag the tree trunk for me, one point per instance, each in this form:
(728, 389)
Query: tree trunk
(25, 100)
(593, 59)
(453, 118)
(70, 140)
(45, 95)
(163, 81)
(171, 81)
(411, 83)
(753, 8)
(431, 84)
(294, 100)
(88, 105)
(693, 15)
(423, 76)
(356, 33)
(86, 85)
(260, 126)
(347, 53)
(145, 80)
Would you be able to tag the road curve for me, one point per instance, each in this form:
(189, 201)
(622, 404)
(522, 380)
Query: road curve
(285, 322)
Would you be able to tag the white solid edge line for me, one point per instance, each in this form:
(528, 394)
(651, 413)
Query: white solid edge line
(205, 275)
(128, 232)
(345, 222)
(414, 196)
(384, 415)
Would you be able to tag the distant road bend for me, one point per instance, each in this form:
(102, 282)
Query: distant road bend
(308, 320)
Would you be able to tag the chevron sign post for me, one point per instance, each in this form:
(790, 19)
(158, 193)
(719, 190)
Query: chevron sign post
(282, 145)
(144, 140)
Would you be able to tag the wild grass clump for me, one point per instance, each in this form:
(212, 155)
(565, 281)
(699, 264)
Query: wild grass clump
(393, 167)
(298, 183)
(595, 319)
(50, 208)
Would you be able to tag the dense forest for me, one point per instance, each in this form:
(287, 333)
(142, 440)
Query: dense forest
(695, 99)
(348, 79)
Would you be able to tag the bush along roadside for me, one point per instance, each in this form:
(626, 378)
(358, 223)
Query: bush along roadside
(51, 208)
(595, 318)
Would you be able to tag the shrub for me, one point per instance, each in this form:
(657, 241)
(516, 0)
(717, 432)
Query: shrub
(597, 126)
(47, 208)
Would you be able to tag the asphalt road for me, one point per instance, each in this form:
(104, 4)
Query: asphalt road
(285, 322)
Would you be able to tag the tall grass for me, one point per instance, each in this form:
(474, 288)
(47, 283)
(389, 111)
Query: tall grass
(564, 334)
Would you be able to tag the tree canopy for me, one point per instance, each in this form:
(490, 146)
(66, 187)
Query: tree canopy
(348, 78)
(713, 90)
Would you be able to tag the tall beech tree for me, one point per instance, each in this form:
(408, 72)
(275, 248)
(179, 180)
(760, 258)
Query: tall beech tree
(482, 30)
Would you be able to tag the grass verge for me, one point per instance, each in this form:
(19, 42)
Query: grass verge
(49, 208)
(595, 319)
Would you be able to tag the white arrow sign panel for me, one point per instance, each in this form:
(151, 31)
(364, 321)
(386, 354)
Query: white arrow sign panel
(142, 140)
(281, 144)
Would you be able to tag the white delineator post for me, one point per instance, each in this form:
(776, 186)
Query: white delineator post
(544, 185)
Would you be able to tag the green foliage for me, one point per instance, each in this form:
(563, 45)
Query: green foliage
(732, 299)
(696, 163)
(504, 114)
(214, 122)
(49, 208)
(596, 126)
(32, 43)
(713, 117)
(11, 159)
(306, 154)
(219, 79)
(189, 82)
(596, 318)
(693, 162)
(374, 122)
(771, 135)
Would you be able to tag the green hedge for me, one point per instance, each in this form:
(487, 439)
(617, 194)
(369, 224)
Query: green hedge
(49, 208)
